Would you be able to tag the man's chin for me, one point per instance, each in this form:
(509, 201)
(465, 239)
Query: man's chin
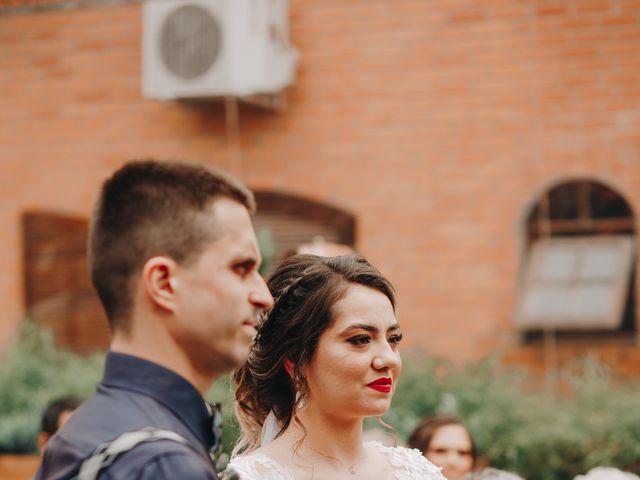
(238, 357)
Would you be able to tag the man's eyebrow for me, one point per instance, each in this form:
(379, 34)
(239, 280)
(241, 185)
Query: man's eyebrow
(369, 328)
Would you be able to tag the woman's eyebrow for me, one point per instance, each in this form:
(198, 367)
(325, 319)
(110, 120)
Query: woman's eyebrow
(369, 328)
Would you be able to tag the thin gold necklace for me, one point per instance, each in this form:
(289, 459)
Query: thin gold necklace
(351, 468)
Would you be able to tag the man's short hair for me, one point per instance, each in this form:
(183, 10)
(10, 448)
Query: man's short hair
(51, 416)
(150, 208)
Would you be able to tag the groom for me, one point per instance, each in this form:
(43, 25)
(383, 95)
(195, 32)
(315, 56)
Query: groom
(174, 259)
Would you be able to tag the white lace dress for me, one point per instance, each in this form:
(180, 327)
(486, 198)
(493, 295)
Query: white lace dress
(407, 464)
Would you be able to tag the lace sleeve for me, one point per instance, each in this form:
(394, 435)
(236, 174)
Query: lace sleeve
(257, 467)
(410, 464)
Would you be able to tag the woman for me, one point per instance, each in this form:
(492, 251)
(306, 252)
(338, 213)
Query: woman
(445, 441)
(324, 358)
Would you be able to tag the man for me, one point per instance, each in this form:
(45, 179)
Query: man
(174, 259)
(55, 415)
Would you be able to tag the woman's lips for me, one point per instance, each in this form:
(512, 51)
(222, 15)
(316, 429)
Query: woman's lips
(383, 385)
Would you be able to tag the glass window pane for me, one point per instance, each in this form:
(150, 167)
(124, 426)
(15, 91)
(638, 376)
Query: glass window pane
(591, 302)
(599, 262)
(558, 263)
(545, 302)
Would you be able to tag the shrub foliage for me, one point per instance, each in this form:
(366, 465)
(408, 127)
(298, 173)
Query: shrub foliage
(33, 372)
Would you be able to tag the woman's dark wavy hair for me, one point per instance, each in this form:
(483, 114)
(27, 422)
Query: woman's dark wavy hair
(305, 289)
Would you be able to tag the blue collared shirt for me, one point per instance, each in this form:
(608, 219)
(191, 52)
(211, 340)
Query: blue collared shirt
(134, 394)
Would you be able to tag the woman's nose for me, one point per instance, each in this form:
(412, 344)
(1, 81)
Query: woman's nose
(386, 358)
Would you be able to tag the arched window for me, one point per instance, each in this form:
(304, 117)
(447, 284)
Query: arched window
(284, 222)
(579, 273)
(579, 208)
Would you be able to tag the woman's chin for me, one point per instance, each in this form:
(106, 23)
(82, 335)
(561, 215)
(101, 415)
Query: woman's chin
(377, 410)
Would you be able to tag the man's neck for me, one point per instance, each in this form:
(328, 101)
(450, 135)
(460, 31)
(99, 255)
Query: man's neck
(165, 354)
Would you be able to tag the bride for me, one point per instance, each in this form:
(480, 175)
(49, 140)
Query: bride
(325, 357)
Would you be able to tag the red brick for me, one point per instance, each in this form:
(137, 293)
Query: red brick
(551, 8)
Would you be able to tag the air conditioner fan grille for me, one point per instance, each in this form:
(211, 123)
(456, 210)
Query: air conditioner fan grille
(190, 41)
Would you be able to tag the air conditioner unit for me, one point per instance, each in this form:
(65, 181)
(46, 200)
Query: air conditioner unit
(213, 48)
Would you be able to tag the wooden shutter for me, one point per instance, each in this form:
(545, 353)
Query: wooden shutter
(58, 291)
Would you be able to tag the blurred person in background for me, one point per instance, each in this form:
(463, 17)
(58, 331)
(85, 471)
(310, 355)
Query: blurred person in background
(492, 474)
(55, 415)
(319, 246)
(445, 441)
(607, 473)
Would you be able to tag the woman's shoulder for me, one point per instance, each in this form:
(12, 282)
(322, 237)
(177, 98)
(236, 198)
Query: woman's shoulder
(408, 463)
(257, 466)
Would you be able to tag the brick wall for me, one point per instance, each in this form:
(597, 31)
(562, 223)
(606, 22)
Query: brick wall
(436, 123)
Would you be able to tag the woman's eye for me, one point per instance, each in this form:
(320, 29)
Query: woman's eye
(395, 339)
(359, 340)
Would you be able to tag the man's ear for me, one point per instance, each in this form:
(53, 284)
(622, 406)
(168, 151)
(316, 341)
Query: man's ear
(159, 281)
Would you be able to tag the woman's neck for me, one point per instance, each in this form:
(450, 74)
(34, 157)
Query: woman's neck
(327, 435)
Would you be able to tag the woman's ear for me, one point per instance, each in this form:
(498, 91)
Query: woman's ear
(288, 366)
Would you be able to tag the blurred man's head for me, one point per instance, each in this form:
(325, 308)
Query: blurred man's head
(55, 415)
(174, 259)
(149, 208)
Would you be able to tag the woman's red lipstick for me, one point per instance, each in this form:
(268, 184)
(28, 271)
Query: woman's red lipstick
(382, 384)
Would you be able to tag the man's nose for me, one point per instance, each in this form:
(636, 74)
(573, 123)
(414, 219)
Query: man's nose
(260, 295)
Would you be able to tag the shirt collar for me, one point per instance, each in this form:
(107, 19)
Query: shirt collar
(163, 385)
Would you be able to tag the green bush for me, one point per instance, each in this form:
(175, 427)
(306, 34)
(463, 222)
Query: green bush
(222, 392)
(33, 373)
(518, 426)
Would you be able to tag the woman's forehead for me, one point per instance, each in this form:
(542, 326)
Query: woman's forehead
(363, 305)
